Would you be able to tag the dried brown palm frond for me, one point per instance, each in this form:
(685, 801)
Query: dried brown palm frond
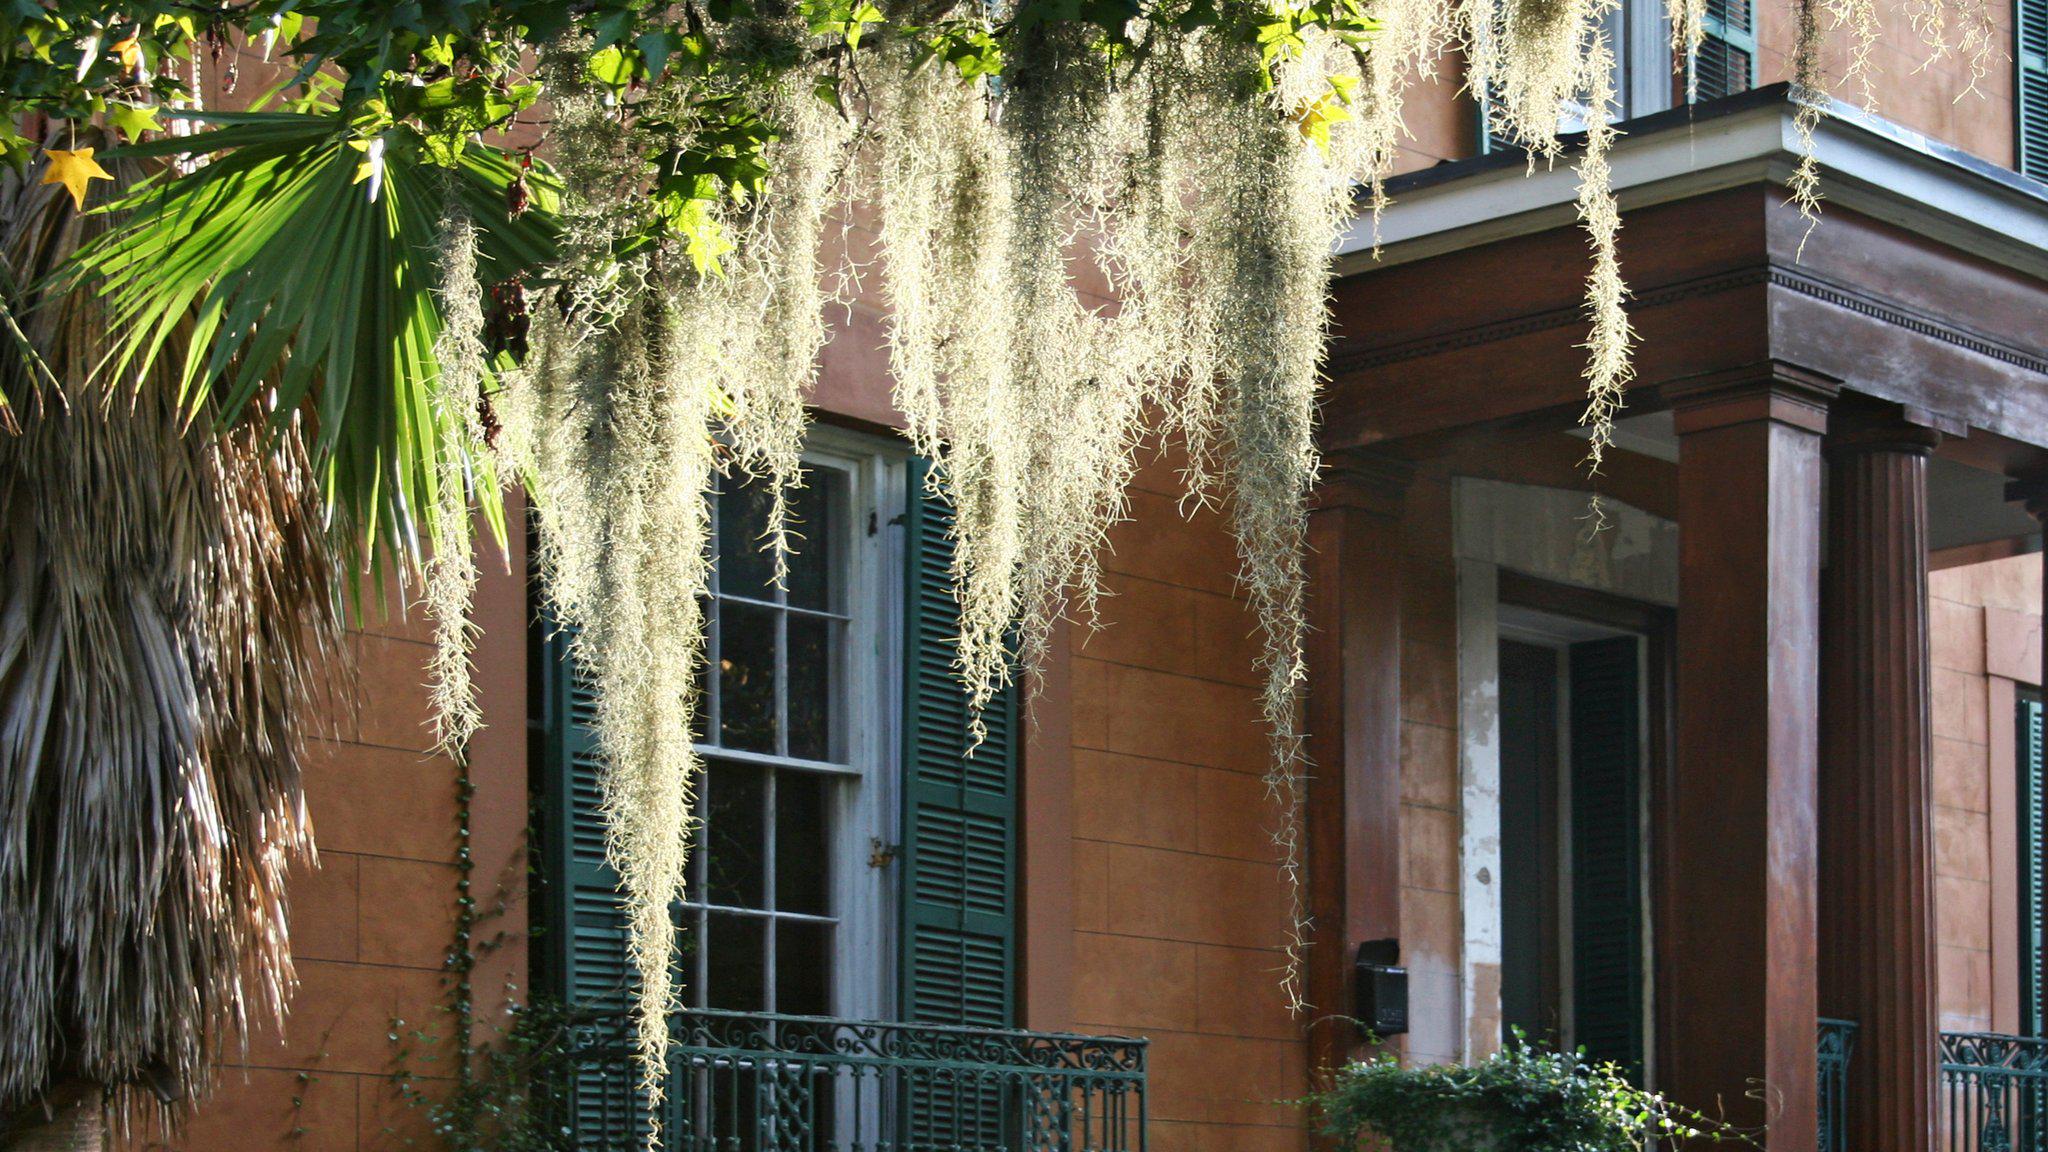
(168, 624)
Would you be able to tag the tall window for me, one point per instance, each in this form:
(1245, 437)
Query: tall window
(761, 917)
(788, 903)
(851, 857)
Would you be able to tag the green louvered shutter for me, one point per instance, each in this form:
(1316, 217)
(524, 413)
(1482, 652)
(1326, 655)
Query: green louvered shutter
(1726, 62)
(959, 900)
(2032, 38)
(586, 948)
(2033, 818)
(1606, 851)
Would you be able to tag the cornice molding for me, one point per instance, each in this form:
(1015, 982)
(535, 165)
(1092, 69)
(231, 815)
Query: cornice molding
(1872, 166)
(1798, 281)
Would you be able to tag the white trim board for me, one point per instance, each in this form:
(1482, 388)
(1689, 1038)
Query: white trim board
(1867, 164)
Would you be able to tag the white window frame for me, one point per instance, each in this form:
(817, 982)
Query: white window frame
(864, 811)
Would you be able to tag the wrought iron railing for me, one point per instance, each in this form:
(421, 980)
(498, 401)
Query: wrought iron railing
(1995, 1091)
(758, 1083)
(1837, 1044)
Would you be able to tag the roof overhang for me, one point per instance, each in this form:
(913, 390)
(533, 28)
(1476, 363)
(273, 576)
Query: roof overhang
(1867, 164)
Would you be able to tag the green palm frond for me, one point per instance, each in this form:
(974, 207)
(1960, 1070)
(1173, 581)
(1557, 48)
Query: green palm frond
(309, 282)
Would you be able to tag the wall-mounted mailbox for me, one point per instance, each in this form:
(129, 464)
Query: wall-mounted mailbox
(1380, 999)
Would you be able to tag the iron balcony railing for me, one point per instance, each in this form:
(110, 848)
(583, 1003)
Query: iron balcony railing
(1996, 1090)
(760, 1083)
(1837, 1044)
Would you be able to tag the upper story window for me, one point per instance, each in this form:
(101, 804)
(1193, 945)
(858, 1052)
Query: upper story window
(850, 857)
(1645, 77)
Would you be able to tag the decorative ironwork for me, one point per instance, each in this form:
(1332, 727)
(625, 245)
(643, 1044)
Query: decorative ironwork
(1837, 1043)
(1997, 1092)
(760, 1083)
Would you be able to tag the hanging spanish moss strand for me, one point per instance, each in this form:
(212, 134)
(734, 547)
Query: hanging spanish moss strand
(948, 229)
(774, 305)
(1610, 346)
(451, 571)
(613, 421)
(1809, 96)
(1279, 309)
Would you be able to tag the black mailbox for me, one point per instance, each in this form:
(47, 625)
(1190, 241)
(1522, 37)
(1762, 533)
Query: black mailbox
(1380, 996)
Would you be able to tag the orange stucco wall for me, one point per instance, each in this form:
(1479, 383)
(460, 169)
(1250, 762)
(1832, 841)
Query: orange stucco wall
(1178, 905)
(1985, 636)
(372, 923)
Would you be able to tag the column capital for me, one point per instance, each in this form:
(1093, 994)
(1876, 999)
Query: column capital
(1364, 479)
(1769, 390)
(1858, 423)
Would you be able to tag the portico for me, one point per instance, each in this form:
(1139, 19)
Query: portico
(1818, 411)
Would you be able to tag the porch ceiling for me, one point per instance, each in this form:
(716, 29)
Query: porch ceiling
(1925, 282)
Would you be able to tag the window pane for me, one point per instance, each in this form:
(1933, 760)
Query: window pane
(746, 677)
(811, 553)
(803, 968)
(811, 684)
(735, 809)
(803, 857)
(738, 958)
(745, 568)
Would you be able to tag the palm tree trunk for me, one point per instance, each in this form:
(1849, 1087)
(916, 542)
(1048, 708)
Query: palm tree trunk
(69, 1118)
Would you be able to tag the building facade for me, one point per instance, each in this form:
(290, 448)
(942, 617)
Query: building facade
(1761, 751)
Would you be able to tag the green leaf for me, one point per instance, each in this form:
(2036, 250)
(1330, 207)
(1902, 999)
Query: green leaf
(295, 285)
(132, 120)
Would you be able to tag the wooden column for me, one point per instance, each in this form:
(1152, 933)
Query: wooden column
(1353, 721)
(1876, 781)
(1738, 1012)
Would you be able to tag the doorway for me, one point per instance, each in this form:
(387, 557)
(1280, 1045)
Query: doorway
(1573, 831)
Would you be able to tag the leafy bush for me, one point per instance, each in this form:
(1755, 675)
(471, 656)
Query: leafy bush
(1522, 1099)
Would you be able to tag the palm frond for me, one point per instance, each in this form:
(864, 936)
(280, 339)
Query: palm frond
(309, 289)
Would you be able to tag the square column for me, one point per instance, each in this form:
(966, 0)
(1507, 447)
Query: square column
(1353, 724)
(1738, 1008)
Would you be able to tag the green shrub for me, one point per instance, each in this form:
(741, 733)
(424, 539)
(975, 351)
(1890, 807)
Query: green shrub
(1523, 1099)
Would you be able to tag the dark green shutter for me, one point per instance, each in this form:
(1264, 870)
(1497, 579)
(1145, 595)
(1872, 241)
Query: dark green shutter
(1726, 61)
(586, 944)
(2032, 106)
(1606, 851)
(959, 897)
(2033, 830)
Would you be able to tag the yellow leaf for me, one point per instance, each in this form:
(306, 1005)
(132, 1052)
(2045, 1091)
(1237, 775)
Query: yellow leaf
(72, 168)
(128, 52)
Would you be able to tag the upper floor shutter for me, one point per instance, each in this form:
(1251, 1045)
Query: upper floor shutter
(2031, 37)
(1606, 851)
(959, 898)
(1726, 61)
(2033, 833)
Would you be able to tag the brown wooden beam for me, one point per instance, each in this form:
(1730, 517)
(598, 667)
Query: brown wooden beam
(1876, 780)
(1353, 717)
(1739, 1009)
